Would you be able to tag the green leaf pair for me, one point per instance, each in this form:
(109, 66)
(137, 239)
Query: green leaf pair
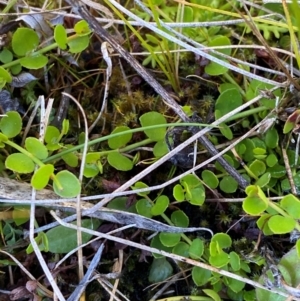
(218, 257)
(120, 161)
(76, 43)
(280, 218)
(179, 219)
(145, 207)
(24, 44)
(190, 189)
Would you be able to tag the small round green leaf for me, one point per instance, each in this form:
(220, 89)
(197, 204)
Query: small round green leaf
(277, 171)
(223, 240)
(289, 267)
(160, 149)
(235, 285)
(143, 207)
(92, 157)
(156, 243)
(160, 206)
(78, 44)
(154, 118)
(220, 260)
(19, 163)
(180, 219)
(235, 261)
(41, 176)
(200, 276)
(212, 294)
(188, 14)
(71, 159)
(228, 101)
(24, 41)
(214, 248)
(271, 160)
(52, 134)
(65, 126)
(254, 205)
(160, 270)
(60, 36)
(36, 147)
(121, 203)
(191, 180)
(35, 61)
(70, 184)
(241, 149)
(214, 69)
(224, 129)
(119, 141)
(256, 202)
(169, 239)
(249, 145)
(228, 184)
(291, 205)
(21, 215)
(64, 240)
(181, 249)
(281, 224)
(16, 69)
(219, 40)
(196, 249)
(286, 186)
(141, 185)
(90, 170)
(5, 56)
(257, 167)
(272, 138)
(196, 196)
(82, 28)
(119, 161)
(11, 124)
(178, 193)
(194, 189)
(262, 224)
(259, 151)
(210, 179)
(263, 180)
(5, 76)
